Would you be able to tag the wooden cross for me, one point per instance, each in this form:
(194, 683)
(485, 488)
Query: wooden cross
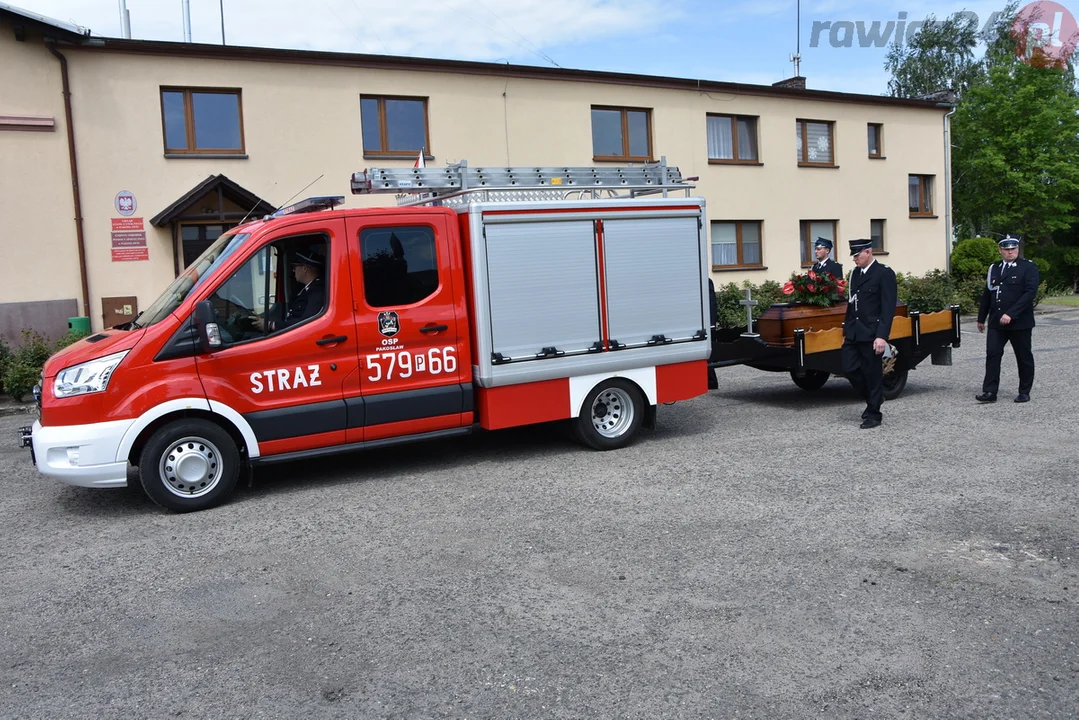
(749, 302)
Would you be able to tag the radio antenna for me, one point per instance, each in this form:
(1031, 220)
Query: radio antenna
(298, 192)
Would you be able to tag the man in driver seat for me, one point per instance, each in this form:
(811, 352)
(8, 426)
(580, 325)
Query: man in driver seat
(310, 299)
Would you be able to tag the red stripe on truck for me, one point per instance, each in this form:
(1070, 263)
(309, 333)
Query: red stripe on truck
(681, 381)
(524, 404)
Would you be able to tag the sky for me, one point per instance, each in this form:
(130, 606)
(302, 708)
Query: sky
(747, 41)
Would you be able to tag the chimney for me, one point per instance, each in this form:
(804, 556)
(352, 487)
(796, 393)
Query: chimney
(795, 83)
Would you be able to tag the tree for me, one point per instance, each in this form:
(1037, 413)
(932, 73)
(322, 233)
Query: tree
(1015, 130)
(939, 57)
(1016, 134)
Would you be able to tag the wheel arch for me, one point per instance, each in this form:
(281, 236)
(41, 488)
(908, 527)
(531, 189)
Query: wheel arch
(222, 415)
(580, 387)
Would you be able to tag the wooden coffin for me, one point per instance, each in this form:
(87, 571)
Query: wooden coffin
(778, 323)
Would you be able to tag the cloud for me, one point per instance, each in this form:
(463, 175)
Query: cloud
(463, 29)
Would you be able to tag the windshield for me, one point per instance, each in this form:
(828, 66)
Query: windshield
(191, 278)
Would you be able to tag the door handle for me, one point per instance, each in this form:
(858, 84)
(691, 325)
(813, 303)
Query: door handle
(331, 340)
(433, 328)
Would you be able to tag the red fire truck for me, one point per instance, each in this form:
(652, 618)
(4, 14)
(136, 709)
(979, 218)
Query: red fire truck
(487, 298)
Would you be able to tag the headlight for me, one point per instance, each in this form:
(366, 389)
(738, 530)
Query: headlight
(90, 377)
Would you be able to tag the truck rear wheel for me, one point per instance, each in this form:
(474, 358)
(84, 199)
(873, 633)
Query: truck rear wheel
(892, 384)
(611, 415)
(189, 465)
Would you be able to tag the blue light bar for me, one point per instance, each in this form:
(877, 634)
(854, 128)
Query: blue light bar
(312, 204)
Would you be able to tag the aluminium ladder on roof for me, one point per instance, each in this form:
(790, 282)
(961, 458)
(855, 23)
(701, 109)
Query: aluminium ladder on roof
(460, 184)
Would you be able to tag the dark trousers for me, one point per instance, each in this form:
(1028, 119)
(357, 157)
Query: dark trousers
(865, 371)
(995, 340)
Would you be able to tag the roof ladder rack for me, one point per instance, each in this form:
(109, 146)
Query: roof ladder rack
(459, 184)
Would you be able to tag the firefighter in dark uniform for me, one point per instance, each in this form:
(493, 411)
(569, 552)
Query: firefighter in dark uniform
(870, 310)
(822, 249)
(309, 300)
(1008, 305)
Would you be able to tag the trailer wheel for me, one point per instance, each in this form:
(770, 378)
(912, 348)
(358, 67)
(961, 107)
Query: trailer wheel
(611, 415)
(189, 465)
(892, 384)
(810, 379)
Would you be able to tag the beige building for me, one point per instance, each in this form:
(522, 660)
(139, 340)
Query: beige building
(122, 159)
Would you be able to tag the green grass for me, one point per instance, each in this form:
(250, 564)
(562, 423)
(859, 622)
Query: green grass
(1070, 300)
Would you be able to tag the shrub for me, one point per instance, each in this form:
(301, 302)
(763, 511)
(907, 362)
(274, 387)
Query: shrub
(20, 369)
(969, 293)
(971, 257)
(933, 292)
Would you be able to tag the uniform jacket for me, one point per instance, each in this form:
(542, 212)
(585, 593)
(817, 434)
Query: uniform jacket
(871, 304)
(831, 267)
(307, 303)
(1017, 288)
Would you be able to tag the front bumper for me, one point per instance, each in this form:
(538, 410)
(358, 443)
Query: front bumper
(82, 455)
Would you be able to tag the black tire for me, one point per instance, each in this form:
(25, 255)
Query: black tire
(610, 416)
(810, 379)
(189, 465)
(893, 383)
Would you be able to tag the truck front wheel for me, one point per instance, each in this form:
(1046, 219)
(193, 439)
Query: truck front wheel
(611, 415)
(189, 465)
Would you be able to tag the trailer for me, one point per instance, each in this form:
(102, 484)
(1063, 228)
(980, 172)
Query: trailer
(806, 342)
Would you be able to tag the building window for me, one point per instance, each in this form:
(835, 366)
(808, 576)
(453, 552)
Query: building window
(811, 230)
(736, 244)
(876, 233)
(202, 120)
(815, 142)
(920, 192)
(876, 140)
(732, 138)
(621, 134)
(394, 125)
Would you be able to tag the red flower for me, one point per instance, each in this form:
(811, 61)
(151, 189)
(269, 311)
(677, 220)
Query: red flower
(788, 288)
(812, 275)
(812, 287)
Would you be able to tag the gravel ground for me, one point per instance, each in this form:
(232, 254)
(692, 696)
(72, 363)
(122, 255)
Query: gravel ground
(756, 556)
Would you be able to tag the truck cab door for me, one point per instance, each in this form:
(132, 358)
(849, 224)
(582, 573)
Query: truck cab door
(289, 358)
(408, 286)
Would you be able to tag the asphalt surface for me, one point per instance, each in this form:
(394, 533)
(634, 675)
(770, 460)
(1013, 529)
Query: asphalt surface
(756, 556)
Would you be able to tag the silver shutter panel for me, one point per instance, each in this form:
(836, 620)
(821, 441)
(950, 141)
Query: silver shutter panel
(543, 287)
(666, 252)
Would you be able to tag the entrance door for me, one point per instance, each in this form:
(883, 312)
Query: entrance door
(415, 370)
(196, 238)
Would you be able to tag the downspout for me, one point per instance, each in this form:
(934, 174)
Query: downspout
(75, 193)
(948, 190)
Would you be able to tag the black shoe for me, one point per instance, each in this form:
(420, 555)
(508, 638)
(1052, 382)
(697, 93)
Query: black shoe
(869, 423)
(986, 397)
(1022, 397)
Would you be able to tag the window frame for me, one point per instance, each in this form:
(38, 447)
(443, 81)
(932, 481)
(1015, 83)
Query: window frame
(883, 225)
(384, 132)
(925, 189)
(739, 248)
(737, 159)
(625, 156)
(879, 128)
(803, 157)
(804, 231)
(189, 120)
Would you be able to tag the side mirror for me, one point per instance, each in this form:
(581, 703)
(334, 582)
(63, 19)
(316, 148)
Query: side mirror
(206, 325)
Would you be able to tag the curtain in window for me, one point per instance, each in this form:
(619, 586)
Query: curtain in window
(751, 243)
(914, 188)
(747, 138)
(720, 139)
(819, 136)
(724, 243)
